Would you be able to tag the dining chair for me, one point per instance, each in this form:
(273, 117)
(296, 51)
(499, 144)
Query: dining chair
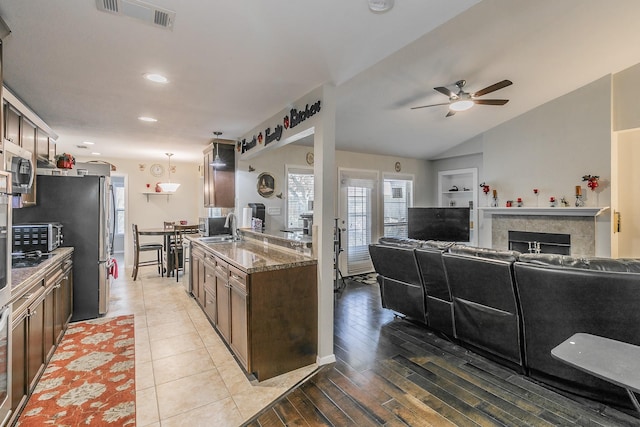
(178, 237)
(146, 247)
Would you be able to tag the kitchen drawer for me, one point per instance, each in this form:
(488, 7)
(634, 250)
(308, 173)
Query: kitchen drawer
(209, 305)
(222, 268)
(238, 279)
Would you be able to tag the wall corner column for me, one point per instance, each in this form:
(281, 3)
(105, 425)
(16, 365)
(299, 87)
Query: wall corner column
(324, 215)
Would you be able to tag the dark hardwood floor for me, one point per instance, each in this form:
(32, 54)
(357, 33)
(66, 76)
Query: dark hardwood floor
(392, 372)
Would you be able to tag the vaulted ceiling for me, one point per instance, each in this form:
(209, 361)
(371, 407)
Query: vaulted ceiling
(233, 64)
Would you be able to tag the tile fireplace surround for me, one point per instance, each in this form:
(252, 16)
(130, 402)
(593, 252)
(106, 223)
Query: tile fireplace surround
(579, 224)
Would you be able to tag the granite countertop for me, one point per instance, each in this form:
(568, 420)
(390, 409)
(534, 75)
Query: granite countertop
(22, 278)
(283, 235)
(252, 256)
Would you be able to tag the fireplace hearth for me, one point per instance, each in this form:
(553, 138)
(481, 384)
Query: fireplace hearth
(538, 242)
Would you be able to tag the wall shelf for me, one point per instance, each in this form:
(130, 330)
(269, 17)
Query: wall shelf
(466, 180)
(547, 211)
(155, 193)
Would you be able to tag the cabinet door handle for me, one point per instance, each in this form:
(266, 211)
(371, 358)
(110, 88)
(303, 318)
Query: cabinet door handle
(32, 313)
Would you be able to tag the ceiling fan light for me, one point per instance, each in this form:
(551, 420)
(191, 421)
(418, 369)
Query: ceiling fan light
(461, 105)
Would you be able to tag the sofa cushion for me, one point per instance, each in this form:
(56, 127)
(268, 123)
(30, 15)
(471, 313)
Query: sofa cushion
(437, 244)
(497, 254)
(400, 242)
(624, 265)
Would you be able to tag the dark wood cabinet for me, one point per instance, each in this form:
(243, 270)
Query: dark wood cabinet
(12, 119)
(268, 318)
(39, 318)
(36, 354)
(219, 183)
(19, 389)
(223, 296)
(48, 333)
(63, 300)
(44, 153)
(208, 289)
(239, 341)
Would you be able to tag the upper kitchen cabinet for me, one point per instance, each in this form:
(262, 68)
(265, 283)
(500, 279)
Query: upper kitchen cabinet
(11, 124)
(26, 129)
(45, 149)
(219, 181)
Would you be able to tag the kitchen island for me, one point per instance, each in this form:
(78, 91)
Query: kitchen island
(262, 299)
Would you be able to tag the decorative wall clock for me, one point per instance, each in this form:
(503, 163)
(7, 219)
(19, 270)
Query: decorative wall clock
(156, 169)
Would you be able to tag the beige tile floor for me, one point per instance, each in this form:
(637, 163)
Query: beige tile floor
(185, 375)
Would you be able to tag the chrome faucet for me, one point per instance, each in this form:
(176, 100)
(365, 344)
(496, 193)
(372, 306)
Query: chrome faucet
(232, 222)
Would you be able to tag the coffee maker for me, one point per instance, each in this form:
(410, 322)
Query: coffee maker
(257, 211)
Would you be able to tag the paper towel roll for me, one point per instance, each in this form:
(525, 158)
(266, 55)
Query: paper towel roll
(246, 217)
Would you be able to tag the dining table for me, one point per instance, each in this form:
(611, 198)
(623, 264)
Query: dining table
(167, 233)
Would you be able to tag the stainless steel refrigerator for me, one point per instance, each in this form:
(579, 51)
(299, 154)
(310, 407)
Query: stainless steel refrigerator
(84, 206)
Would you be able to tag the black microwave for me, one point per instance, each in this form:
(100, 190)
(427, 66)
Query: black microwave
(19, 162)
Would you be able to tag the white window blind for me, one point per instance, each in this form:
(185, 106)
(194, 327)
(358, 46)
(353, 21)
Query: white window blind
(398, 198)
(360, 189)
(299, 194)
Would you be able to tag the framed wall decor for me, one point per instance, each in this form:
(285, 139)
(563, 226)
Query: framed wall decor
(266, 184)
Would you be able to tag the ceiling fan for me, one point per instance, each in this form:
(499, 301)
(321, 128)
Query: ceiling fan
(462, 100)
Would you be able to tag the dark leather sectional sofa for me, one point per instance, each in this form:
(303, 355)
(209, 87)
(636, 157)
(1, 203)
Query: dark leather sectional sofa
(514, 308)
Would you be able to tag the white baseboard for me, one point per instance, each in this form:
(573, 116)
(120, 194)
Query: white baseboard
(325, 360)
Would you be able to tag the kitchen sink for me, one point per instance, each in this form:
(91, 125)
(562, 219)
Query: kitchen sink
(217, 239)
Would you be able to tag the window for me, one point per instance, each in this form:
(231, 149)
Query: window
(119, 201)
(398, 198)
(299, 195)
(358, 189)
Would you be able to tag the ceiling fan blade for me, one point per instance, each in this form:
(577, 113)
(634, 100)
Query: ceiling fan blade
(450, 113)
(432, 105)
(493, 88)
(491, 101)
(445, 91)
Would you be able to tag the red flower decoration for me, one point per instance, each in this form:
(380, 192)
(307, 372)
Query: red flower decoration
(592, 181)
(485, 188)
(260, 138)
(535, 191)
(286, 122)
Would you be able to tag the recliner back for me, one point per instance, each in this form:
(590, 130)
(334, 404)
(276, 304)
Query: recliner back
(437, 294)
(486, 313)
(401, 287)
(560, 296)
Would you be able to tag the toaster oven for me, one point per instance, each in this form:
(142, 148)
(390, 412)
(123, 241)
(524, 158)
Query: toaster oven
(44, 237)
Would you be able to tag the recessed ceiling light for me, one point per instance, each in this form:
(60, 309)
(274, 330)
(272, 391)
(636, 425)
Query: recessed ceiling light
(96, 154)
(88, 142)
(147, 119)
(156, 78)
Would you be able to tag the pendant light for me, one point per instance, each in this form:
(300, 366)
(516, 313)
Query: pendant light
(217, 161)
(169, 187)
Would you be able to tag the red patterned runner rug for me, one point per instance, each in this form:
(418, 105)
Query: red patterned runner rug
(90, 380)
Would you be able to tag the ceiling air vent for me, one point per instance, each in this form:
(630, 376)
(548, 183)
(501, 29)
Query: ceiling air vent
(139, 10)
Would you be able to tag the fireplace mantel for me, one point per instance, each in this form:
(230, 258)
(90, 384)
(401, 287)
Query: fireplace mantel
(546, 211)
